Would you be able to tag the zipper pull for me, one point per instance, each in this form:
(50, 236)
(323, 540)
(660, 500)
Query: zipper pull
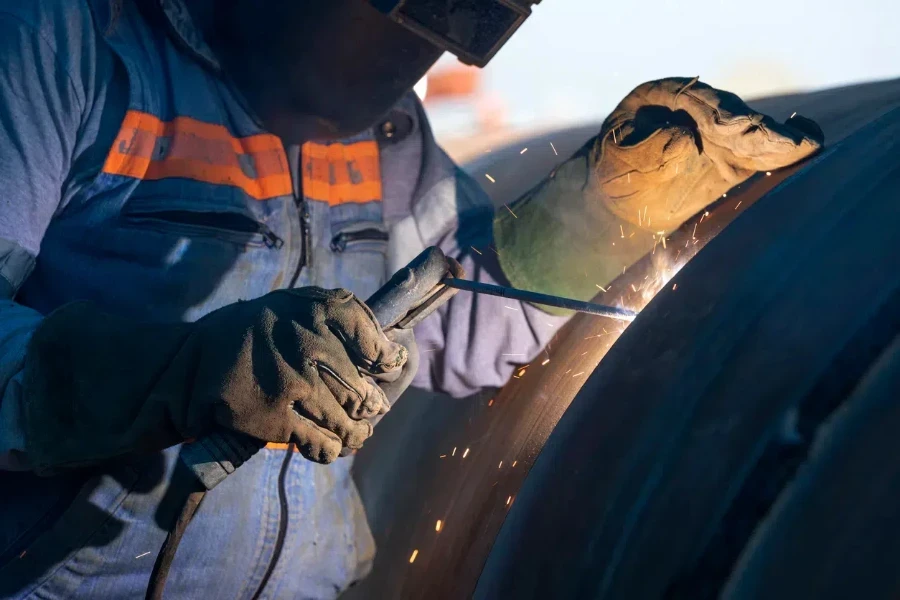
(270, 239)
(339, 242)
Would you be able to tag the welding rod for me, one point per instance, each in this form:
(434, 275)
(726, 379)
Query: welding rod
(536, 298)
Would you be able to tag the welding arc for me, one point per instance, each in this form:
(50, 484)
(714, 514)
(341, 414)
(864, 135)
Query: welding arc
(536, 298)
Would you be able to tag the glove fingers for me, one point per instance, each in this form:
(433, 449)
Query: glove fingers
(315, 443)
(746, 139)
(359, 397)
(358, 329)
(324, 408)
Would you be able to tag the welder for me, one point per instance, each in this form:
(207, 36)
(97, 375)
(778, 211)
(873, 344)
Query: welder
(195, 196)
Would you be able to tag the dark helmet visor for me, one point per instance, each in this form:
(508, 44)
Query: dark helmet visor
(473, 30)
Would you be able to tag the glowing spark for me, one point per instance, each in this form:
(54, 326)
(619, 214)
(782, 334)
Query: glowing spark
(500, 465)
(738, 204)
(694, 235)
(794, 115)
(138, 556)
(615, 141)
(546, 360)
(554, 149)
(674, 286)
(412, 558)
(577, 375)
(768, 173)
(639, 217)
(622, 231)
(466, 453)
(491, 402)
(514, 463)
(443, 456)
(491, 179)
(437, 526)
(632, 235)
(524, 150)
(724, 195)
(602, 289)
(454, 451)
(510, 307)
(633, 288)
(645, 214)
(623, 269)
(508, 500)
(648, 219)
(475, 249)
(511, 212)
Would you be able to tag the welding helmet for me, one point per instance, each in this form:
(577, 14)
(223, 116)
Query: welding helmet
(473, 30)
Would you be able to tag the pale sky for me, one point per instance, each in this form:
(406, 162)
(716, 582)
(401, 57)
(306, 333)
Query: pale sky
(574, 59)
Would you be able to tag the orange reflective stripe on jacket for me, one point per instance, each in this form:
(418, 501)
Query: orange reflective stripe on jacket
(151, 149)
(342, 173)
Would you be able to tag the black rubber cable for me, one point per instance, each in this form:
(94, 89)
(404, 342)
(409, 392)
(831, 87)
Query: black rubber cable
(166, 556)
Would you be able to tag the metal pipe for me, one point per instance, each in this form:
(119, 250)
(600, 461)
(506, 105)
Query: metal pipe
(536, 298)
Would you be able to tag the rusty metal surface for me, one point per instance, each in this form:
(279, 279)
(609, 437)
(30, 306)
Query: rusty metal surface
(410, 484)
(471, 490)
(656, 459)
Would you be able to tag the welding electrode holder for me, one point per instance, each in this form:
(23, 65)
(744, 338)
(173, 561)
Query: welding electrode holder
(413, 293)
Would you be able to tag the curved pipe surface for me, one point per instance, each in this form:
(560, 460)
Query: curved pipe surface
(411, 483)
(687, 432)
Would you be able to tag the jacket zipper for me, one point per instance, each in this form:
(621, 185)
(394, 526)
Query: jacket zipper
(238, 236)
(294, 156)
(340, 241)
(305, 254)
(282, 523)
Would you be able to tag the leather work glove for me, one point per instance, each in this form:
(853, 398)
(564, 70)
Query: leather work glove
(669, 149)
(288, 366)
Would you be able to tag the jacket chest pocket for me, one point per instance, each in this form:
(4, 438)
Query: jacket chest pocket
(357, 256)
(191, 258)
(231, 226)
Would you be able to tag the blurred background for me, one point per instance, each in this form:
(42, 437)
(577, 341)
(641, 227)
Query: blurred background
(573, 60)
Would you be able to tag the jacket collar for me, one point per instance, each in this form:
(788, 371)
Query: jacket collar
(182, 28)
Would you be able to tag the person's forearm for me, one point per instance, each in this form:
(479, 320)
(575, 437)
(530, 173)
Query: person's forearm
(17, 323)
(478, 341)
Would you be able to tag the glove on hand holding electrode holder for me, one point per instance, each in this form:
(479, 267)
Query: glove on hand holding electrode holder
(412, 294)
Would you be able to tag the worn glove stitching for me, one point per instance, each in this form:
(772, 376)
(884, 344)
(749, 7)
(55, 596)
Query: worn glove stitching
(323, 367)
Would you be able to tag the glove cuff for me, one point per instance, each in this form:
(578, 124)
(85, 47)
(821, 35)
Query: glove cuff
(562, 239)
(89, 389)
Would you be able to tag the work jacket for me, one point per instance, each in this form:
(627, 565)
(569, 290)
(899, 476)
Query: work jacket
(133, 175)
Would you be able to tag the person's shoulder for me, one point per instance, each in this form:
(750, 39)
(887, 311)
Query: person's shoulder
(51, 18)
(67, 27)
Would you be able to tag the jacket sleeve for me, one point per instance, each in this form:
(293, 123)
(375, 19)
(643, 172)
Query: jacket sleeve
(40, 112)
(473, 341)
